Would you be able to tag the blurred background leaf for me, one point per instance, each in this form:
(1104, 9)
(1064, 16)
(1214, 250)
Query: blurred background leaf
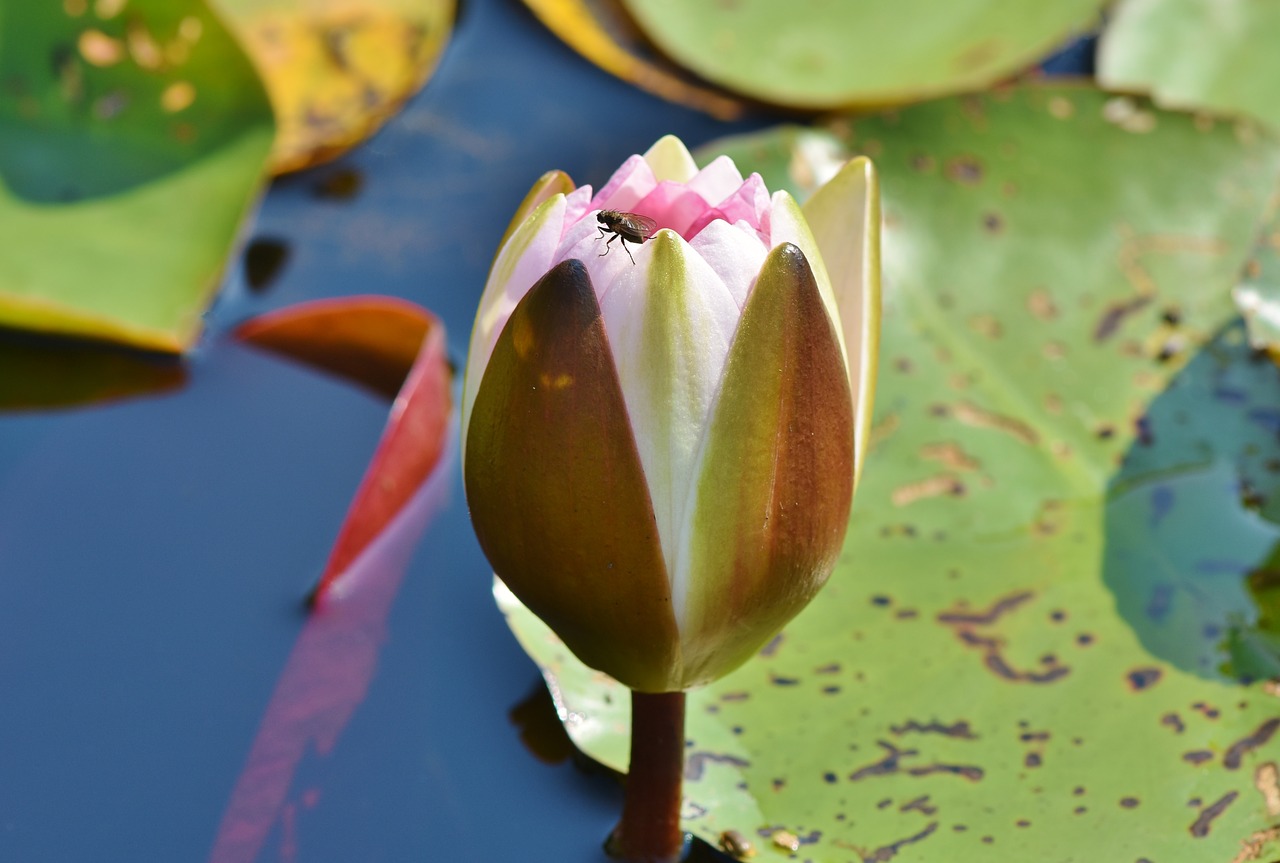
(1218, 55)
(337, 70)
(801, 55)
(132, 140)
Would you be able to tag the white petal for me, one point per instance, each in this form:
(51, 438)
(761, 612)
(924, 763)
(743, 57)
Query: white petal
(670, 160)
(670, 322)
(844, 215)
(577, 205)
(787, 225)
(734, 252)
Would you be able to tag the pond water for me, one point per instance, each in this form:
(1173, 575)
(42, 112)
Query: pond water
(165, 695)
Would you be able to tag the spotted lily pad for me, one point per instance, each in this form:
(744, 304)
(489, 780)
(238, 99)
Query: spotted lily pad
(1213, 54)
(969, 686)
(811, 54)
(133, 135)
(338, 69)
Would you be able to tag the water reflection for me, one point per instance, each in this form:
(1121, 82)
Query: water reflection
(1192, 526)
(51, 373)
(325, 678)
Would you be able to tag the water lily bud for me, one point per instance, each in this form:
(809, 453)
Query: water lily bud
(661, 439)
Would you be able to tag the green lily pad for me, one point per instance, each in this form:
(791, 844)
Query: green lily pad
(1214, 54)
(809, 54)
(133, 135)
(970, 686)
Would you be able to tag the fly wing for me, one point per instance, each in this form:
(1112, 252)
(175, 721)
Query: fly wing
(640, 225)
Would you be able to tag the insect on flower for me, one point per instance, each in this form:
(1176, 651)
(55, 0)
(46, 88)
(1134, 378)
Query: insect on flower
(625, 226)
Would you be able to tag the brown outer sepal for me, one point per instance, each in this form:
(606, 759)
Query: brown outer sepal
(557, 493)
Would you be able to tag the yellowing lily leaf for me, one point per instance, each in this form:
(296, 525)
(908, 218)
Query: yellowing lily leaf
(133, 135)
(603, 32)
(338, 69)
(1045, 636)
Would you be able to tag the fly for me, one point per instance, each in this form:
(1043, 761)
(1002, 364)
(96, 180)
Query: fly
(624, 227)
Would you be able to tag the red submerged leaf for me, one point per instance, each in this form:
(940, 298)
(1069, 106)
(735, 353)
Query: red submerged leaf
(372, 341)
(336, 654)
(375, 341)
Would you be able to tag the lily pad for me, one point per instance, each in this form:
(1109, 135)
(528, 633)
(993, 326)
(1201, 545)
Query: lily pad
(132, 141)
(338, 69)
(604, 33)
(968, 686)
(1213, 54)
(809, 54)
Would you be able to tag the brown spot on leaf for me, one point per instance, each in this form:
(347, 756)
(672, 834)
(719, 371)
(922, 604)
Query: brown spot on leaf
(1142, 678)
(923, 163)
(887, 852)
(891, 764)
(938, 485)
(1252, 848)
(992, 647)
(1114, 315)
(1197, 756)
(987, 325)
(960, 730)
(972, 415)
(1040, 303)
(920, 804)
(964, 169)
(993, 223)
(1267, 780)
(1242, 747)
(1129, 802)
(1200, 827)
(695, 763)
(1002, 606)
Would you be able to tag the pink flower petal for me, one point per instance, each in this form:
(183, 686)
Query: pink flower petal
(628, 184)
(577, 205)
(750, 203)
(672, 205)
(718, 180)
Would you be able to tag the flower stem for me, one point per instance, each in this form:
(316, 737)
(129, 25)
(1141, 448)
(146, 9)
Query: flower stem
(649, 831)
